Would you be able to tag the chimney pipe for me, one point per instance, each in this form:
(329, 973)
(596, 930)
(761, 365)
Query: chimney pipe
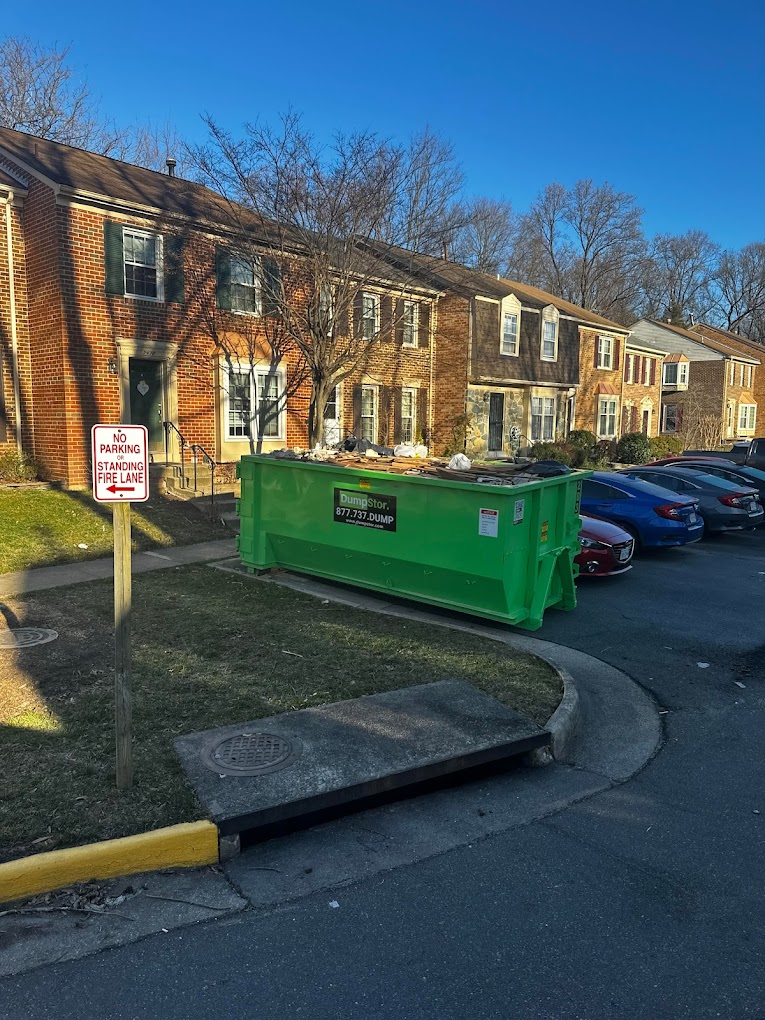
(170, 163)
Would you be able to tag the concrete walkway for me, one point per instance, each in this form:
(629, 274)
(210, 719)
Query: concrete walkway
(39, 578)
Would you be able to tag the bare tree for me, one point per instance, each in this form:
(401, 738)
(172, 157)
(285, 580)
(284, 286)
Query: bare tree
(677, 275)
(327, 216)
(40, 93)
(151, 145)
(585, 244)
(484, 240)
(738, 283)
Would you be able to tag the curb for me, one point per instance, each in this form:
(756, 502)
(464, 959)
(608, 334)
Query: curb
(188, 845)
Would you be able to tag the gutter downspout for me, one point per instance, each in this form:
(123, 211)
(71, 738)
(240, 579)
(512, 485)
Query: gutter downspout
(14, 334)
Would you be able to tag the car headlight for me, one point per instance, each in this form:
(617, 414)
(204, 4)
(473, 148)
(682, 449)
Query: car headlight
(590, 543)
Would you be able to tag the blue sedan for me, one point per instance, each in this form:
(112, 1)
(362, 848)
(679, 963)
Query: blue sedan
(655, 517)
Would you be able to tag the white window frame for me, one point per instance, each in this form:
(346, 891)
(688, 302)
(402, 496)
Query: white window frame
(749, 374)
(367, 295)
(413, 326)
(256, 285)
(664, 410)
(741, 374)
(254, 372)
(337, 422)
(732, 373)
(544, 410)
(629, 369)
(682, 373)
(608, 414)
(550, 315)
(606, 352)
(647, 371)
(375, 412)
(510, 306)
(748, 412)
(411, 392)
(159, 265)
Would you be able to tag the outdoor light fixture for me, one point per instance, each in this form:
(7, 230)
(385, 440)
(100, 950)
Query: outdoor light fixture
(112, 363)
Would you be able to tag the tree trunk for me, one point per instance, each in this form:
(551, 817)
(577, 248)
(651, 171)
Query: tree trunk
(322, 387)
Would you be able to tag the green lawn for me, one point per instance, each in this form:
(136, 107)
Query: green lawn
(41, 527)
(209, 648)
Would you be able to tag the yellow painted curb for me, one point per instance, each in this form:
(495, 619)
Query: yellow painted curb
(178, 846)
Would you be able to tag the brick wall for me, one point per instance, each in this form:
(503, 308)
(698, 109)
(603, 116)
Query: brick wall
(749, 350)
(641, 402)
(704, 398)
(451, 348)
(592, 379)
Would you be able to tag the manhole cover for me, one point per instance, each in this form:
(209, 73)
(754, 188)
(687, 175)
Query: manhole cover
(26, 637)
(250, 754)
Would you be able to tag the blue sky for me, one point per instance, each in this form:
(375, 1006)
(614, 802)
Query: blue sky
(663, 99)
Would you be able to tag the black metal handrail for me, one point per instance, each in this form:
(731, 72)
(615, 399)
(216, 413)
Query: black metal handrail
(197, 451)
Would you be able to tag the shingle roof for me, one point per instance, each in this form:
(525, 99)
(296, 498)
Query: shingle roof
(454, 276)
(711, 343)
(7, 181)
(111, 178)
(704, 328)
(530, 293)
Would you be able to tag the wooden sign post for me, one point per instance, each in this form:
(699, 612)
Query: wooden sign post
(121, 477)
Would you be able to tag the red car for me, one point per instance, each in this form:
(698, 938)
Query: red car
(606, 548)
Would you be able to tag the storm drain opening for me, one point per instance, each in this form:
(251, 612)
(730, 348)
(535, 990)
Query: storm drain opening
(250, 754)
(26, 637)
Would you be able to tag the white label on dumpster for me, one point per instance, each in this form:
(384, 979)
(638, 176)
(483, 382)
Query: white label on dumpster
(488, 522)
(518, 511)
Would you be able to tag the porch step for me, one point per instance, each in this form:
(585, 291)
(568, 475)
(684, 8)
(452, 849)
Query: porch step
(222, 507)
(287, 769)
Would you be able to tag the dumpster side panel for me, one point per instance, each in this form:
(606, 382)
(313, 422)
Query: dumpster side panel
(477, 548)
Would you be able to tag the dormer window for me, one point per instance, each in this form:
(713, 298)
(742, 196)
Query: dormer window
(510, 324)
(675, 373)
(550, 317)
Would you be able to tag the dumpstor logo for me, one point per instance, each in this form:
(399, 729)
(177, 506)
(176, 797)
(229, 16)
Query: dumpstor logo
(375, 511)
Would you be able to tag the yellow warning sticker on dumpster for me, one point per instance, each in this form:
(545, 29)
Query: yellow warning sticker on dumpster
(545, 529)
(365, 483)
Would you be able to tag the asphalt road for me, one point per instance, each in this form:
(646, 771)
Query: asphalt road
(646, 901)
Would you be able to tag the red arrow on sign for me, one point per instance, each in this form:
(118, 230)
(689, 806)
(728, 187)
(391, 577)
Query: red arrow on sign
(120, 488)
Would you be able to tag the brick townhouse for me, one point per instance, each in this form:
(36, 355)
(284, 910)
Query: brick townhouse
(744, 346)
(602, 351)
(123, 298)
(641, 388)
(508, 369)
(702, 378)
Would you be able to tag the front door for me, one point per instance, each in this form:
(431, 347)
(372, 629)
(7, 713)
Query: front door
(147, 405)
(496, 421)
(646, 421)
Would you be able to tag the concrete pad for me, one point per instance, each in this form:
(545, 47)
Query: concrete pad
(347, 752)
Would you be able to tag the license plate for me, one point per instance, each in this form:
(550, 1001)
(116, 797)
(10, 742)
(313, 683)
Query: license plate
(692, 518)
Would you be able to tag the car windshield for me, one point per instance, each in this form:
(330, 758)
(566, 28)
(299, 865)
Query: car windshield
(754, 473)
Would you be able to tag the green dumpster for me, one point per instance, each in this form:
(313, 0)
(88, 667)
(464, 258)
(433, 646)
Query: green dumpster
(501, 552)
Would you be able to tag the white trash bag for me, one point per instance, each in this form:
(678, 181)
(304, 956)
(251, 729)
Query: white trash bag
(459, 462)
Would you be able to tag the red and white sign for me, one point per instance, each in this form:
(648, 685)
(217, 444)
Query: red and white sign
(120, 463)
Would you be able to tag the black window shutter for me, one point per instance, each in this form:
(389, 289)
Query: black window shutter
(174, 270)
(424, 330)
(386, 318)
(358, 315)
(422, 416)
(397, 415)
(113, 259)
(272, 286)
(399, 321)
(223, 278)
(340, 326)
(357, 410)
(617, 345)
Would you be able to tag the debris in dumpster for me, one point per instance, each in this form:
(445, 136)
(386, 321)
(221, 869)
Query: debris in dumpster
(367, 457)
